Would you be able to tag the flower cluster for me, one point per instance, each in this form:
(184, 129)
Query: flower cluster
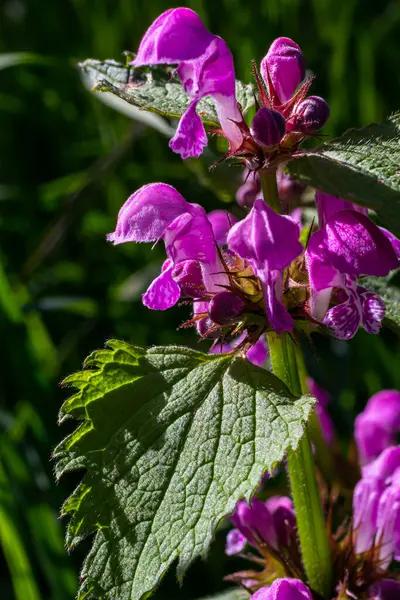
(258, 271)
(205, 67)
(250, 276)
(254, 275)
(372, 542)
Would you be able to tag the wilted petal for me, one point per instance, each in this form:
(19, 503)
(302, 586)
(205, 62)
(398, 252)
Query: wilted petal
(147, 213)
(163, 292)
(190, 137)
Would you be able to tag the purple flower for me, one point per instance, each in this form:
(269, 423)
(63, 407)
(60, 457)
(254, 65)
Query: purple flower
(157, 211)
(284, 518)
(225, 307)
(376, 507)
(387, 589)
(269, 242)
(258, 353)
(377, 426)
(189, 277)
(268, 127)
(255, 522)
(322, 409)
(283, 589)
(205, 67)
(272, 523)
(347, 246)
(283, 69)
(221, 222)
(366, 498)
(249, 190)
(328, 205)
(388, 522)
(235, 542)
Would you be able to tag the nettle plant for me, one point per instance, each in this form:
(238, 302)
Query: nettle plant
(173, 440)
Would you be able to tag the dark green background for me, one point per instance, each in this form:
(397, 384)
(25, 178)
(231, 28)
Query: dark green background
(67, 163)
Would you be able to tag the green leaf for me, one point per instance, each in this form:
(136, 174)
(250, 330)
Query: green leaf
(389, 290)
(155, 89)
(171, 438)
(361, 166)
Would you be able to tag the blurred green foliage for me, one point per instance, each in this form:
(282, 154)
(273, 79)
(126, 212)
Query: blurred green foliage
(67, 163)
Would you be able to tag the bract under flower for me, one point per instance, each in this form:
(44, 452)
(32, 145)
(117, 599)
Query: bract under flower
(205, 67)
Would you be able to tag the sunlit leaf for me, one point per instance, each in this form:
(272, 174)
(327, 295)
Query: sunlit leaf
(155, 90)
(171, 438)
(361, 166)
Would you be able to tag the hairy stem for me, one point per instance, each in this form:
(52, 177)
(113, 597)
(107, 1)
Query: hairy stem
(314, 542)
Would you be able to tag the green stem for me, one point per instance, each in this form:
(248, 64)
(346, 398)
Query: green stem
(270, 189)
(287, 364)
(314, 543)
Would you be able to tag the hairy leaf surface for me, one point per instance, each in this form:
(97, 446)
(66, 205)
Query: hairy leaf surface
(171, 438)
(362, 166)
(155, 89)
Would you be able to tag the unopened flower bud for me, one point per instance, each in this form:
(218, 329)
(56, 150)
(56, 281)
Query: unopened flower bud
(268, 127)
(206, 328)
(310, 115)
(225, 307)
(284, 63)
(188, 276)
